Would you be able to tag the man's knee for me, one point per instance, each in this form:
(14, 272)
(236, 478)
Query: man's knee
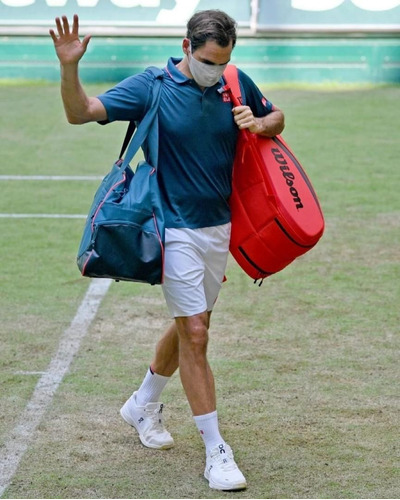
(193, 330)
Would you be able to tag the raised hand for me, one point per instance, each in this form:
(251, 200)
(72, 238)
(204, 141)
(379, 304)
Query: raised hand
(69, 47)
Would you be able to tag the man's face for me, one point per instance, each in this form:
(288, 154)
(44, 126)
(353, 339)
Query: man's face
(212, 53)
(208, 62)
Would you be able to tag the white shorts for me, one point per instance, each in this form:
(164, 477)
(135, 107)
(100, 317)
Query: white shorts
(194, 268)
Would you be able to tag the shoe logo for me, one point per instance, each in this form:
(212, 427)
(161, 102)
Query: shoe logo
(140, 420)
(221, 448)
(161, 408)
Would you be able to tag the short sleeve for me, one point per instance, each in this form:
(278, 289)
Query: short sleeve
(254, 98)
(129, 99)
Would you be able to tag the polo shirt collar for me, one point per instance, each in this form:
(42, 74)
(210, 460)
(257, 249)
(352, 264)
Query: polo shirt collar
(174, 72)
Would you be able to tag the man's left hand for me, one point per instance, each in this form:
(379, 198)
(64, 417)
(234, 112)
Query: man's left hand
(245, 119)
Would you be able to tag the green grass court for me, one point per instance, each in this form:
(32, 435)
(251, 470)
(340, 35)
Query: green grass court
(307, 366)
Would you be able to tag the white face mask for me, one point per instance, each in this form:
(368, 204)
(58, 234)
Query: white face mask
(205, 75)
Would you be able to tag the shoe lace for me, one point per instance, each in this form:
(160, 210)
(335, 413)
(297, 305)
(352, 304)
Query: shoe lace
(224, 460)
(156, 417)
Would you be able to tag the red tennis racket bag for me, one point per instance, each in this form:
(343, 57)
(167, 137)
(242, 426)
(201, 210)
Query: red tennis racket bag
(276, 215)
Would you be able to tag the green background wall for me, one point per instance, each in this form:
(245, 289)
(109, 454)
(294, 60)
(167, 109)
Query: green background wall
(347, 60)
(280, 40)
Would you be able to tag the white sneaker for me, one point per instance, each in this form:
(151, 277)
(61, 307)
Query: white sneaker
(148, 421)
(221, 470)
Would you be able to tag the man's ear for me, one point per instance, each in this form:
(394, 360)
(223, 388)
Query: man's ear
(186, 45)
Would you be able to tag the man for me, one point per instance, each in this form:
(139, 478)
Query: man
(198, 133)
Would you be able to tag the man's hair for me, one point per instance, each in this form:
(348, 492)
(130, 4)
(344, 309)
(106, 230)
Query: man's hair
(212, 25)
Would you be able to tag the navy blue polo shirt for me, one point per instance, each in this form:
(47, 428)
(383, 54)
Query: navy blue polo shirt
(197, 140)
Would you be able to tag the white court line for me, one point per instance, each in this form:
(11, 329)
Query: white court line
(13, 450)
(42, 216)
(51, 177)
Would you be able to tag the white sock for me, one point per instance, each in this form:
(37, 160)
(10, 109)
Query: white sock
(151, 388)
(209, 430)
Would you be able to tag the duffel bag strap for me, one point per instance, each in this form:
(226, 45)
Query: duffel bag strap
(128, 136)
(144, 127)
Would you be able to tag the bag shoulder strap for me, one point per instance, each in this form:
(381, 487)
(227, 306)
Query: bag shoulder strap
(231, 78)
(128, 136)
(145, 125)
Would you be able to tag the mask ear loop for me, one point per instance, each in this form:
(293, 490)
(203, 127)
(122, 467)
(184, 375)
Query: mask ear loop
(190, 49)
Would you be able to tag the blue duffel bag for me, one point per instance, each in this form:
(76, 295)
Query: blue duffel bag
(123, 238)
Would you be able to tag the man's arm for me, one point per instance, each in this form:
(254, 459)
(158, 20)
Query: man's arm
(79, 108)
(269, 125)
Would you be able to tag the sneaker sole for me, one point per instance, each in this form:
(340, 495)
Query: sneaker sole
(125, 415)
(224, 487)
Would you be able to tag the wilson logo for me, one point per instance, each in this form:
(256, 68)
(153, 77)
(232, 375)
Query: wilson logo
(288, 176)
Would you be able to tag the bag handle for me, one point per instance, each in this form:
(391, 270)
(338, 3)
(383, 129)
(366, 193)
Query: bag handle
(231, 78)
(232, 81)
(143, 130)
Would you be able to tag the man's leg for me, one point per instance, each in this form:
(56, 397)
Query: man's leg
(198, 381)
(184, 340)
(184, 345)
(163, 366)
(142, 410)
(166, 358)
(196, 375)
